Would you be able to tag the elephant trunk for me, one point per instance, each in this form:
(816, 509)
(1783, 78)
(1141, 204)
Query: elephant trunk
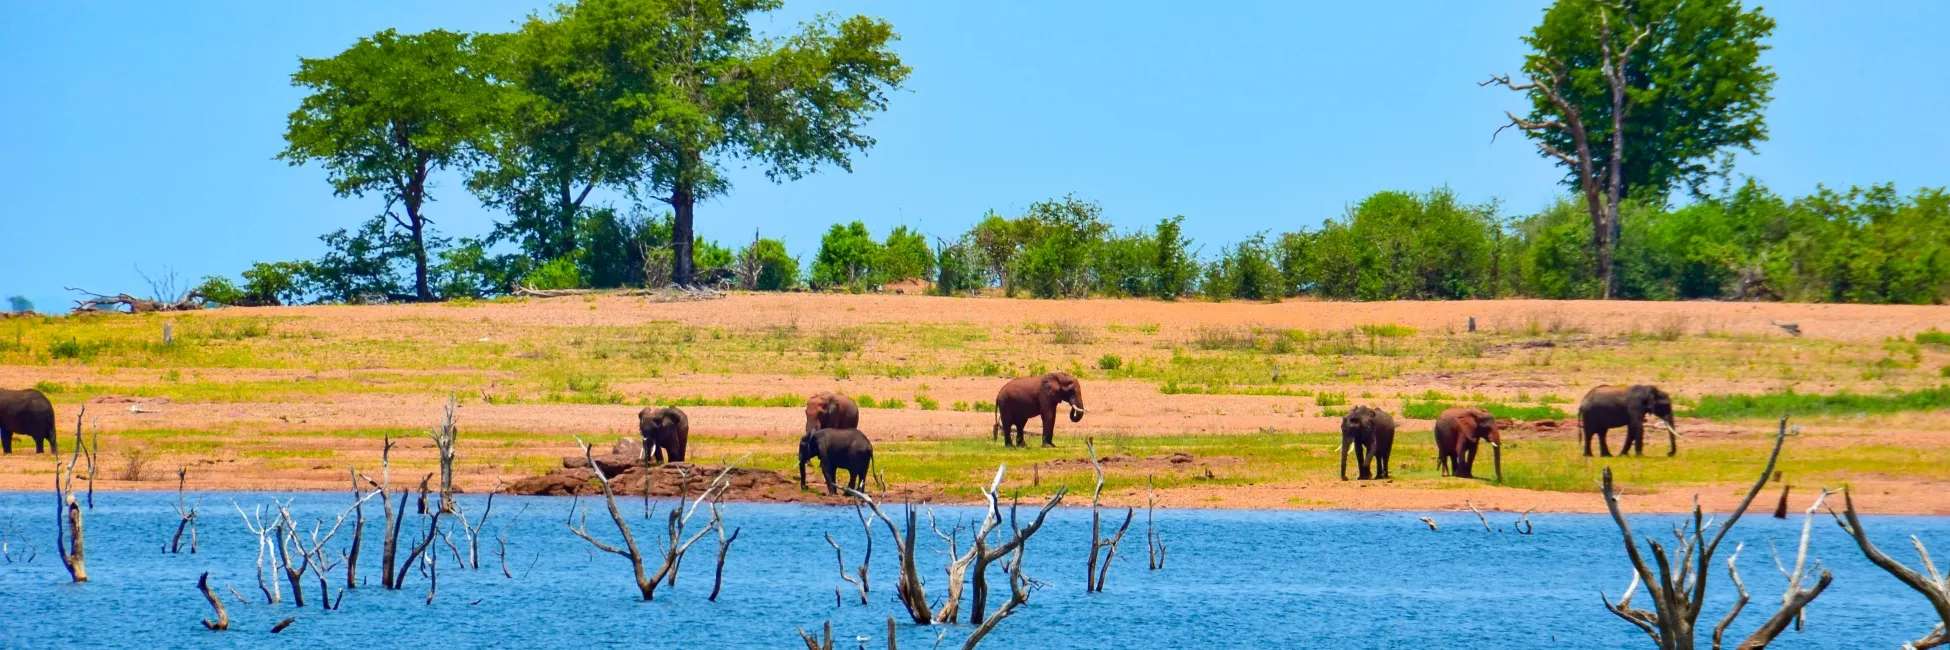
(1076, 407)
(1672, 437)
(1345, 443)
(1496, 457)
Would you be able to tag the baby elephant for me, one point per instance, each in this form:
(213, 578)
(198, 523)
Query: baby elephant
(837, 448)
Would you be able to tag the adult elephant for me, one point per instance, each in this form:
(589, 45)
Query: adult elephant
(831, 411)
(666, 432)
(837, 449)
(1036, 396)
(1606, 407)
(26, 412)
(1458, 431)
(1371, 432)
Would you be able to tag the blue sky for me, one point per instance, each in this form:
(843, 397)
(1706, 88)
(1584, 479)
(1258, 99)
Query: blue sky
(142, 134)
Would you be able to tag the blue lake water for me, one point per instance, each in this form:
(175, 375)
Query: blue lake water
(1234, 579)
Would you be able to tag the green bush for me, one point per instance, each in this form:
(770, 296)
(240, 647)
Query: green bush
(985, 407)
(845, 258)
(926, 403)
(904, 256)
(961, 406)
(775, 270)
(866, 401)
(1773, 405)
(48, 387)
(558, 274)
(1933, 336)
(1109, 362)
(1325, 398)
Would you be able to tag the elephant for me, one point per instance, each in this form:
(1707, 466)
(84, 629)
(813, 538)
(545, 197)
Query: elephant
(1371, 432)
(1457, 432)
(26, 412)
(666, 432)
(831, 410)
(1611, 406)
(835, 449)
(1027, 396)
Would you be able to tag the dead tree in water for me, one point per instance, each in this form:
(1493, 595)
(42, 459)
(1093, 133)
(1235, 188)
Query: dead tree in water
(724, 546)
(912, 592)
(1933, 587)
(1678, 587)
(679, 517)
(223, 618)
(443, 435)
(1093, 579)
(272, 594)
(433, 531)
(389, 544)
(1154, 541)
(187, 511)
(68, 518)
(358, 532)
(1013, 551)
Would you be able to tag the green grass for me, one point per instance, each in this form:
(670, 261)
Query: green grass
(1773, 405)
(1427, 409)
(1933, 336)
(780, 400)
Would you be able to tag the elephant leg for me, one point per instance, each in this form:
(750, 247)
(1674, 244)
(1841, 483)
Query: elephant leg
(7, 442)
(1604, 448)
(832, 473)
(1361, 457)
(1380, 466)
(1586, 434)
(677, 450)
(1049, 428)
(1635, 439)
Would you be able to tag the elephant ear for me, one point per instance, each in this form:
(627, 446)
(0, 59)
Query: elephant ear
(1047, 386)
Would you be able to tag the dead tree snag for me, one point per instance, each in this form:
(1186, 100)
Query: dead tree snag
(68, 541)
(1093, 579)
(187, 511)
(1933, 587)
(223, 618)
(1678, 587)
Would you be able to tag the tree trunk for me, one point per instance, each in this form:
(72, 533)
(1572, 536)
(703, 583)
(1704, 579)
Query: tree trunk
(682, 203)
(565, 222)
(416, 192)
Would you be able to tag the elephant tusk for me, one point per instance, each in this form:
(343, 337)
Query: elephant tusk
(1079, 409)
(1671, 430)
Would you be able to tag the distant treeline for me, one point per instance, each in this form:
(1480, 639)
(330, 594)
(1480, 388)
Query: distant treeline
(1869, 245)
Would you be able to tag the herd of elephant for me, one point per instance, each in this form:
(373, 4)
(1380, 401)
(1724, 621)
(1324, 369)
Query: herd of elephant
(1460, 431)
(832, 433)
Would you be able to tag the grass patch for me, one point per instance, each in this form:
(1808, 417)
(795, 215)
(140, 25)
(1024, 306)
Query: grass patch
(1772, 405)
(1110, 362)
(733, 400)
(1933, 336)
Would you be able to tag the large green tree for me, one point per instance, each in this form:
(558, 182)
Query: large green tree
(698, 89)
(558, 134)
(1637, 97)
(387, 113)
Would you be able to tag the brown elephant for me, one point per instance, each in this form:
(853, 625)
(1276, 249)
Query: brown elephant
(836, 449)
(1036, 396)
(831, 410)
(26, 412)
(1606, 407)
(666, 432)
(1457, 433)
(1371, 432)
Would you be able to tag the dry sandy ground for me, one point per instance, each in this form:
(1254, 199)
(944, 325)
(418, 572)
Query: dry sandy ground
(820, 311)
(1121, 408)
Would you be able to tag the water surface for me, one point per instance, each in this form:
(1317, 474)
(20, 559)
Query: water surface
(1234, 579)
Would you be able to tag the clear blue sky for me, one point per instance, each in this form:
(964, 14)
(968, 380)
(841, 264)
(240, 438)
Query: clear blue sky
(143, 133)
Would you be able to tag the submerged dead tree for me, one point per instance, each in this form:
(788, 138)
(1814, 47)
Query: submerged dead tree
(1093, 578)
(1934, 587)
(1678, 586)
(223, 618)
(68, 541)
(443, 435)
(1154, 541)
(912, 591)
(679, 518)
(187, 511)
